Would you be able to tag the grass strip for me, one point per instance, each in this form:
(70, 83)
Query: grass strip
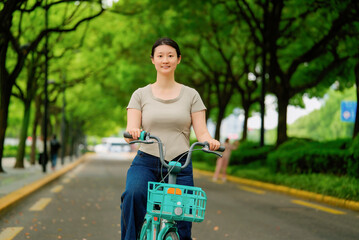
(336, 186)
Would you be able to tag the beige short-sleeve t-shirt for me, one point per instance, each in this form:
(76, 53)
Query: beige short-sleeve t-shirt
(170, 120)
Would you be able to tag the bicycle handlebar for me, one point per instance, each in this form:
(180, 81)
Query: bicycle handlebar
(145, 137)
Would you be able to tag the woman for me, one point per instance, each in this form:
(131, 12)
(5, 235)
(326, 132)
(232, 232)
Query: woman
(166, 109)
(222, 163)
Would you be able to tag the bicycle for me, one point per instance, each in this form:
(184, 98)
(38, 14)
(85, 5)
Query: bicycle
(170, 202)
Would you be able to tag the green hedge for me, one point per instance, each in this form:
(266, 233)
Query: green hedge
(301, 157)
(200, 156)
(249, 152)
(297, 156)
(11, 151)
(353, 164)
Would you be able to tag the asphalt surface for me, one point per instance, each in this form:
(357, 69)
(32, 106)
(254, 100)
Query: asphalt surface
(84, 204)
(239, 212)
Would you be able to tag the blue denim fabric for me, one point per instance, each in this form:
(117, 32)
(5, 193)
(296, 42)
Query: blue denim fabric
(145, 168)
(53, 159)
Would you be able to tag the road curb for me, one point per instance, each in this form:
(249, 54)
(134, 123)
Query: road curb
(338, 202)
(19, 194)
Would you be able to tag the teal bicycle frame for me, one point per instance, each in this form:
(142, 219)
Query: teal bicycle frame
(170, 202)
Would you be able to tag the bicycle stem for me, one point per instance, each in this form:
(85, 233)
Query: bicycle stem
(175, 169)
(188, 159)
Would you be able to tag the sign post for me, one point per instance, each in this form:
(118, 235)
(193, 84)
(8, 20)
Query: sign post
(348, 111)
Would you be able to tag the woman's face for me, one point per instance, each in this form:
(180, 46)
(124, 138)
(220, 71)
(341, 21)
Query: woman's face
(165, 59)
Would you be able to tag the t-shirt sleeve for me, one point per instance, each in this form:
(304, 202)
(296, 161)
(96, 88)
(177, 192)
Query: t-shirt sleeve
(135, 101)
(197, 103)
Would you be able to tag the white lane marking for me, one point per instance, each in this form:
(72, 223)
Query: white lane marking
(57, 189)
(10, 232)
(318, 207)
(252, 190)
(66, 180)
(40, 204)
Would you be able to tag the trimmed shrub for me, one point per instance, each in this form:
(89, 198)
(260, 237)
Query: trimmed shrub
(249, 152)
(335, 144)
(353, 164)
(293, 143)
(311, 157)
(354, 148)
(10, 151)
(200, 156)
(297, 156)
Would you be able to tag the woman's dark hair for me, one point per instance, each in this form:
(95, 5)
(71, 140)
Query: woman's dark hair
(166, 41)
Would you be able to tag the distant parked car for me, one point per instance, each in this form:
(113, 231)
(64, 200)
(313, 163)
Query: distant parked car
(120, 147)
(113, 144)
(100, 148)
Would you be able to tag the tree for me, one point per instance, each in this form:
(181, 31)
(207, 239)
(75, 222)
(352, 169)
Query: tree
(32, 82)
(356, 126)
(298, 35)
(214, 49)
(10, 39)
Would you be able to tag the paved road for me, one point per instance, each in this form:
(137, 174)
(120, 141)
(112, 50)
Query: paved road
(84, 204)
(238, 212)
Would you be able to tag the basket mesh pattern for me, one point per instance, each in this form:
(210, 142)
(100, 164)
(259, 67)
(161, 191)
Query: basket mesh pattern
(176, 202)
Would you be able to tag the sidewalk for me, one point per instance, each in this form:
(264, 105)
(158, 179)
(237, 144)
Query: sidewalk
(18, 183)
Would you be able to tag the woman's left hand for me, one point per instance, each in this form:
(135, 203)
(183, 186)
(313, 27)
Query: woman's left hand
(213, 144)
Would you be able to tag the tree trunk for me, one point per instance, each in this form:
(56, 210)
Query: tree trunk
(6, 80)
(4, 111)
(23, 136)
(6, 84)
(356, 125)
(245, 122)
(219, 122)
(37, 121)
(33, 147)
(283, 102)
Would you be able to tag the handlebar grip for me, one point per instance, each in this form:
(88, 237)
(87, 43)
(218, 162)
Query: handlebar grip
(221, 149)
(127, 135)
(142, 137)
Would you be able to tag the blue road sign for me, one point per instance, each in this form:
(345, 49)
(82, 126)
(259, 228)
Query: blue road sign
(348, 111)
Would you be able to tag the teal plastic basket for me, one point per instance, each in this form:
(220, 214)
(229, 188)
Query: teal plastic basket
(176, 202)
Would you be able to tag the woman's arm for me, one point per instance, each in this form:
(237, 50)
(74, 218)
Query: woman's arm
(201, 131)
(134, 118)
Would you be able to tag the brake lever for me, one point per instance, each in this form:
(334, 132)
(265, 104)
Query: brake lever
(205, 149)
(141, 141)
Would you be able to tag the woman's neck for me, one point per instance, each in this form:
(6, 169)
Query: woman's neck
(166, 88)
(164, 81)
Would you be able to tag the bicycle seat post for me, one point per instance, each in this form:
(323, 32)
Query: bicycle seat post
(174, 169)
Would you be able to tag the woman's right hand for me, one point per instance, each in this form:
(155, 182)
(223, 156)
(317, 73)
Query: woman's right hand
(135, 133)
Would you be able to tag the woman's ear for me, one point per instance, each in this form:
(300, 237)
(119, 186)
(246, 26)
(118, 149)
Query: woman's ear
(179, 59)
(152, 60)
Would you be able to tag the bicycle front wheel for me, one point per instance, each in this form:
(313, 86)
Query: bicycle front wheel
(171, 236)
(143, 231)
